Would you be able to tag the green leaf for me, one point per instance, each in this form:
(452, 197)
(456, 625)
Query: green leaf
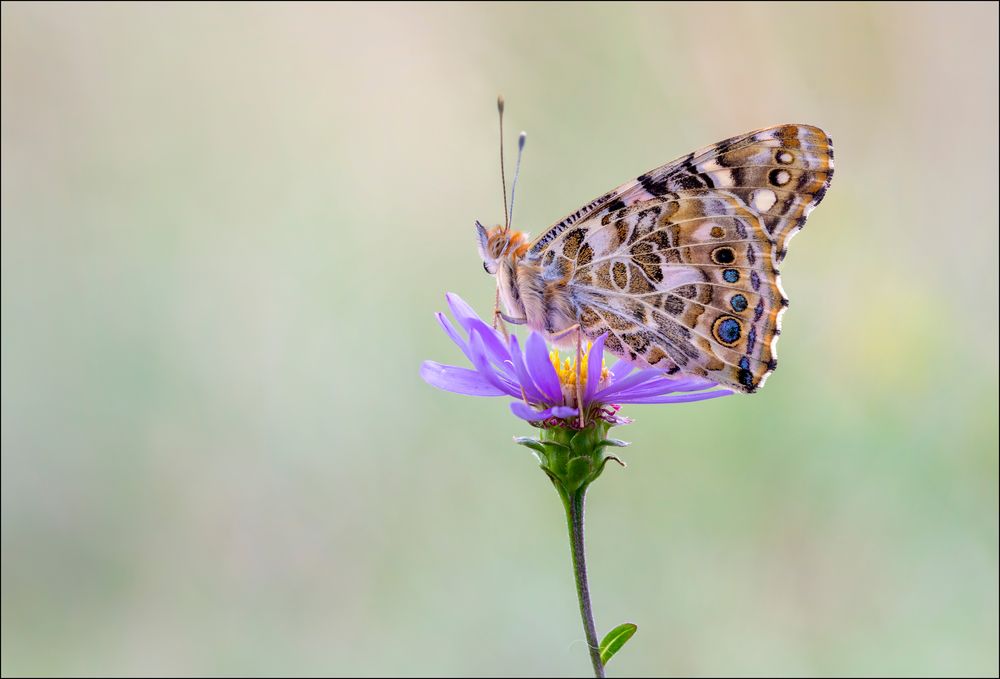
(615, 639)
(528, 442)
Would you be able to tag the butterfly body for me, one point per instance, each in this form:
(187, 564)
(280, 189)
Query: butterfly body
(680, 266)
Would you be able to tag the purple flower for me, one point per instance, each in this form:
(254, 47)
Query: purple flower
(545, 389)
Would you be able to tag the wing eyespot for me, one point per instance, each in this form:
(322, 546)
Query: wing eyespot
(727, 330)
(723, 255)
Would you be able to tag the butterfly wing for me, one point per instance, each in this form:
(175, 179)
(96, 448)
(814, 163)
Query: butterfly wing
(680, 265)
(687, 283)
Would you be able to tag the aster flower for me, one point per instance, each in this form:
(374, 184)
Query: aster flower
(545, 387)
(574, 401)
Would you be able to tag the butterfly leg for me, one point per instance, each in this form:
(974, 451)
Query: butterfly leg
(496, 309)
(512, 319)
(498, 320)
(499, 317)
(579, 382)
(556, 336)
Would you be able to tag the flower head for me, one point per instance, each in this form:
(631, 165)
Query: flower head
(551, 390)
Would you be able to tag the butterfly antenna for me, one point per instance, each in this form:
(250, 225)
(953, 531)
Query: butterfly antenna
(503, 178)
(517, 171)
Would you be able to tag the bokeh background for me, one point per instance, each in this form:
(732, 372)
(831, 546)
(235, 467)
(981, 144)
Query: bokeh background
(225, 231)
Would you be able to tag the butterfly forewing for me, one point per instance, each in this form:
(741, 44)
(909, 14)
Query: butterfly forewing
(679, 266)
(780, 172)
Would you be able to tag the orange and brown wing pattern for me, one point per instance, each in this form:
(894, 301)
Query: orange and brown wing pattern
(688, 284)
(781, 173)
(680, 265)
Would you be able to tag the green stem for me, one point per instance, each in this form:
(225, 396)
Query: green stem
(574, 519)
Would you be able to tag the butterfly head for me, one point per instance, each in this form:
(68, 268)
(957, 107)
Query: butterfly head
(499, 243)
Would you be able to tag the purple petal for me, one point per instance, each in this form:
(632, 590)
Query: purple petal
(482, 365)
(457, 380)
(453, 334)
(563, 411)
(691, 383)
(495, 347)
(612, 391)
(595, 361)
(523, 376)
(460, 309)
(620, 369)
(666, 386)
(540, 366)
(682, 398)
(468, 319)
(526, 412)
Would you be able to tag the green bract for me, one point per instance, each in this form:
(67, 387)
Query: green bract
(573, 458)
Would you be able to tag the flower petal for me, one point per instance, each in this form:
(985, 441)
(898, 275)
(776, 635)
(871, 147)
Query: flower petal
(620, 369)
(495, 347)
(457, 380)
(461, 310)
(523, 376)
(453, 334)
(563, 411)
(537, 356)
(482, 364)
(468, 319)
(682, 398)
(611, 392)
(692, 383)
(595, 361)
(658, 387)
(526, 412)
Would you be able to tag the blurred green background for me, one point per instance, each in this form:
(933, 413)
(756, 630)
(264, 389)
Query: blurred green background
(225, 231)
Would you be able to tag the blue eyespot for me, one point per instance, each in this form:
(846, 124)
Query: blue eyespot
(744, 376)
(727, 330)
(730, 275)
(738, 302)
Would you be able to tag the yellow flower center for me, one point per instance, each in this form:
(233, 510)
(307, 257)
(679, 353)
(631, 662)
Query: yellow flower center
(566, 370)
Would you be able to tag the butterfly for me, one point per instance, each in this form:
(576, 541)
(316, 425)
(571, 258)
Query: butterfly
(680, 266)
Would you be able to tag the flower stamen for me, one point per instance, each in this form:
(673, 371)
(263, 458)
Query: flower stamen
(566, 370)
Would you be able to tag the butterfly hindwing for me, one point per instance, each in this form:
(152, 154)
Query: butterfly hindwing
(679, 266)
(684, 282)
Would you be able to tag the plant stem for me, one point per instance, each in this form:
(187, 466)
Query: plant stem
(574, 518)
